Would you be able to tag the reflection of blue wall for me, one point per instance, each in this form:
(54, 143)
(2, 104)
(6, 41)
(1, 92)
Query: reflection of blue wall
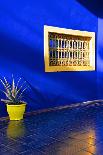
(21, 49)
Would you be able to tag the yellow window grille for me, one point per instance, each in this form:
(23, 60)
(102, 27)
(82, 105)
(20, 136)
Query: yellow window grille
(68, 50)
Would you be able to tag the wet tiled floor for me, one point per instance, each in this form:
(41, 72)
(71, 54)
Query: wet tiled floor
(63, 132)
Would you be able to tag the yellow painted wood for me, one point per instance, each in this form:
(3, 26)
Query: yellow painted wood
(71, 50)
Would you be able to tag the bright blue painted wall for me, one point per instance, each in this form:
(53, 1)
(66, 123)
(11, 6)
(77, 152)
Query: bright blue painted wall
(22, 50)
(100, 58)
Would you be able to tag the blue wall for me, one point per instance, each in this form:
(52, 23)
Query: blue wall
(100, 58)
(22, 50)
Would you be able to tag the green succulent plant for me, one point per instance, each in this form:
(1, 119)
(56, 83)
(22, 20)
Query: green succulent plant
(13, 92)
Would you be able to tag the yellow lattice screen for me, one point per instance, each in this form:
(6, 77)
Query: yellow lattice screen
(66, 51)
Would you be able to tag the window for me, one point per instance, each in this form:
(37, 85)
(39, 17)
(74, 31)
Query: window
(68, 50)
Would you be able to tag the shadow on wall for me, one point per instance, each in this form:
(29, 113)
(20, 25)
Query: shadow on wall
(94, 6)
(64, 92)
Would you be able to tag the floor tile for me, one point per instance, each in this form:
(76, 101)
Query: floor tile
(63, 132)
(32, 152)
(8, 151)
(65, 148)
(82, 153)
(96, 149)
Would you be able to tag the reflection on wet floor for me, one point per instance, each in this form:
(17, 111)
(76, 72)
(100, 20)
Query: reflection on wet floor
(62, 132)
(15, 129)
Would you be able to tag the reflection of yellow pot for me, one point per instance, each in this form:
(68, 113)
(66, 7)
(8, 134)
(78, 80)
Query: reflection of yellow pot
(16, 111)
(16, 129)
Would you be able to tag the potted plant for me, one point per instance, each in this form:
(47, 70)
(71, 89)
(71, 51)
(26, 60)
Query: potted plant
(15, 106)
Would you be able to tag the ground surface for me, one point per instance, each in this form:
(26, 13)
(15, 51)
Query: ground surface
(63, 132)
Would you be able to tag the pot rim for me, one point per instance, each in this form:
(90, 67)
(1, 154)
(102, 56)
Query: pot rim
(16, 105)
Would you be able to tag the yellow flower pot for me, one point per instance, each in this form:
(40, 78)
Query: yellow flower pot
(16, 112)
